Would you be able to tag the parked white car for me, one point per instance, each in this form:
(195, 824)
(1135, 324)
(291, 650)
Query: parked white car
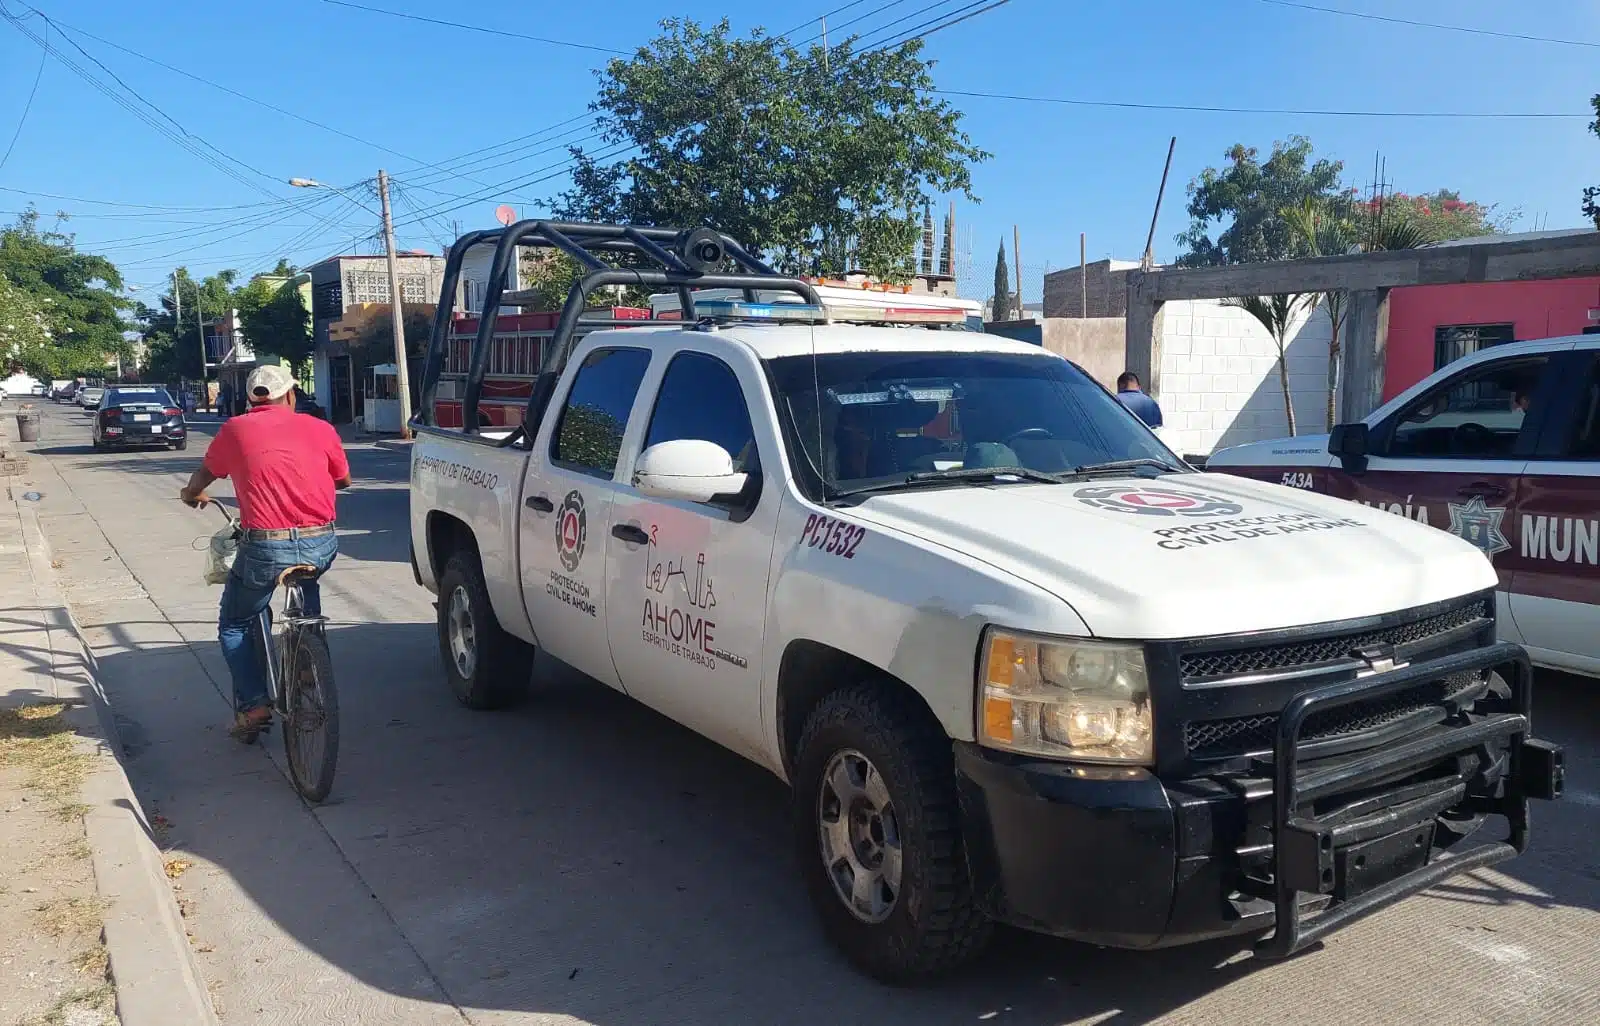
(1501, 448)
(1017, 662)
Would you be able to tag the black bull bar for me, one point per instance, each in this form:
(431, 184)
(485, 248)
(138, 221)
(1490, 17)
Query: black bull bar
(1336, 853)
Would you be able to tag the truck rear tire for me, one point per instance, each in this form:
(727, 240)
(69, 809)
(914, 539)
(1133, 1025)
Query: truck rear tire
(878, 835)
(487, 668)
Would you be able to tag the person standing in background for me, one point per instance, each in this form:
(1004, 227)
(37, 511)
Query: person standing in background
(224, 401)
(1140, 405)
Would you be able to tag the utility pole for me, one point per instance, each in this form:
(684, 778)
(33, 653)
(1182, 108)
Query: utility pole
(396, 313)
(1083, 273)
(1148, 260)
(825, 70)
(1016, 258)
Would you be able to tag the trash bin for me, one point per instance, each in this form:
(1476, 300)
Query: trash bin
(27, 425)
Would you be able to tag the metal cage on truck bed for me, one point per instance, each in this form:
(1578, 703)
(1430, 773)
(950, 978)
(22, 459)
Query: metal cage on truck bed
(658, 258)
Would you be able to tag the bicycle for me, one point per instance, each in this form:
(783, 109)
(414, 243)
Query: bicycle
(299, 675)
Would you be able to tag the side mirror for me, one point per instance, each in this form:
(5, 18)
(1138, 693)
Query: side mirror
(688, 469)
(1348, 441)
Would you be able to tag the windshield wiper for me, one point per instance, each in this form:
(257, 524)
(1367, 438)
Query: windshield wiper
(1121, 466)
(955, 475)
(982, 474)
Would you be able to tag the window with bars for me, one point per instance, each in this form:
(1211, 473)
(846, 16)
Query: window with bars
(327, 300)
(1453, 341)
(373, 287)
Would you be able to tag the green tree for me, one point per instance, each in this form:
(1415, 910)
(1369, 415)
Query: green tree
(813, 157)
(1002, 286)
(1435, 216)
(1277, 314)
(274, 317)
(173, 347)
(1591, 195)
(1321, 228)
(79, 294)
(551, 274)
(1245, 199)
(24, 333)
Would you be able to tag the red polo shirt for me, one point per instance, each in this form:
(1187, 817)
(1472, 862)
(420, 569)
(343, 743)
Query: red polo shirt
(283, 465)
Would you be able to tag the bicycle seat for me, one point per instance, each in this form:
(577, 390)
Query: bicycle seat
(300, 573)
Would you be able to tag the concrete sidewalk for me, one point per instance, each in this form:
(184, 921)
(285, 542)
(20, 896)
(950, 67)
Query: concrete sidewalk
(42, 660)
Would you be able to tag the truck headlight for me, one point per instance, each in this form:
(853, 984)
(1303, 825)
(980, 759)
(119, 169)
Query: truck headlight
(1083, 700)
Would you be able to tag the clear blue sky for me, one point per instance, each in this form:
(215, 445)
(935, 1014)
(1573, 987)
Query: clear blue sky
(432, 93)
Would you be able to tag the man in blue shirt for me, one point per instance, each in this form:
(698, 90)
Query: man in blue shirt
(1140, 405)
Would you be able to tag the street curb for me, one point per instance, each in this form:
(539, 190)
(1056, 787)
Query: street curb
(158, 982)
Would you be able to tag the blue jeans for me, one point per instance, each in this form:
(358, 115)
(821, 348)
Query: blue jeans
(249, 590)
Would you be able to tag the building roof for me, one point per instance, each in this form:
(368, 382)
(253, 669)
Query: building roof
(1560, 233)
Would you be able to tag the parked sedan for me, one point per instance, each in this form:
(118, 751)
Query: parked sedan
(89, 396)
(139, 416)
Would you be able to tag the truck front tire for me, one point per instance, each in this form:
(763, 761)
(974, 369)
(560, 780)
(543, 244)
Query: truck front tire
(878, 836)
(487, 668)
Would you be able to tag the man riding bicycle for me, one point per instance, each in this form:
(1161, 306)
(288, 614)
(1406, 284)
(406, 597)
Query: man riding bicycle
(285, 467)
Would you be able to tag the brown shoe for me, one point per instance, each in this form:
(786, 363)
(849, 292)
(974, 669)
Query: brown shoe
(247, 726)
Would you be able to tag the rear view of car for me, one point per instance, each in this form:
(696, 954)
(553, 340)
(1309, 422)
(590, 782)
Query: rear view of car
(143, 416)
(89, 396)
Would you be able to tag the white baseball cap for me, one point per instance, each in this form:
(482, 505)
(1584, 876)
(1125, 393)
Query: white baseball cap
(269, 382)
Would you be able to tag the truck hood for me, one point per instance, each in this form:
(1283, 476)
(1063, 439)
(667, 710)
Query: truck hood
(1188, 555)
(1299, 451)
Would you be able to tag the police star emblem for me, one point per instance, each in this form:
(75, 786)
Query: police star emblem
(1479, 524)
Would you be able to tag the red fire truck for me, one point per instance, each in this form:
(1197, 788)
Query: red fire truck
(514, 360)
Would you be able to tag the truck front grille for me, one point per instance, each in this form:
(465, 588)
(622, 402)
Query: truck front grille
(1294, 655)
(1246, 735)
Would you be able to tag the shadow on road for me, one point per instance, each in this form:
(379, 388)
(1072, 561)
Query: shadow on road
(580, 855)
(584, 856)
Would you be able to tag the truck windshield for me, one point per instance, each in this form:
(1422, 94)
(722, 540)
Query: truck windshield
(893, 418)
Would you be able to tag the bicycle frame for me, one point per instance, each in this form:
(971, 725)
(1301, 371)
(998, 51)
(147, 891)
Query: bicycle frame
(280, 664)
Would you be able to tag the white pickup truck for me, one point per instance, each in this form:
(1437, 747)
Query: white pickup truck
(1016, 661)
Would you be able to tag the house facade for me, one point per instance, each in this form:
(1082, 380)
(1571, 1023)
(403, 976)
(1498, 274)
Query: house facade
(349, 303)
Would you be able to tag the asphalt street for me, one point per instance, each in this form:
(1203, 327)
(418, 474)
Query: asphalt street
(583, 860)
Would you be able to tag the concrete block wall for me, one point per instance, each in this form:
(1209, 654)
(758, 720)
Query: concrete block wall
(1107, 286)
(1219, 377)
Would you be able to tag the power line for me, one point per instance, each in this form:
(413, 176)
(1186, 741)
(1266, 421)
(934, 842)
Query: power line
(181, 136)
(918, 34)
(1391, 19)
(1201, 109)
(891, 5)
(233, 92)
(820, 17)
(478, 28)
(44, 58)
(138, 206)
(141, 98)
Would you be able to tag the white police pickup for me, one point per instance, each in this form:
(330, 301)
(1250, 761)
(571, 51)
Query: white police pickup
(1016, 661)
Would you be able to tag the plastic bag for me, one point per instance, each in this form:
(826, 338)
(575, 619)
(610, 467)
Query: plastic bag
(224, 545)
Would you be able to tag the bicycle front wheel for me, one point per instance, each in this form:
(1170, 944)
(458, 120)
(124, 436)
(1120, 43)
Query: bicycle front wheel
(311, 717)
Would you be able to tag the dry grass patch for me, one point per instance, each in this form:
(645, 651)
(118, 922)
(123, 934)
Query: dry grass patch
(93, 1006)
(39, 740)
(71, 917)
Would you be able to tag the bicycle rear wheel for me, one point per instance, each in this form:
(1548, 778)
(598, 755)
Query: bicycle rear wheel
(311, 717)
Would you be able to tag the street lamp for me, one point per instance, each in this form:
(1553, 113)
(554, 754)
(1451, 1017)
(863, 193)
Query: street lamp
(397, 320)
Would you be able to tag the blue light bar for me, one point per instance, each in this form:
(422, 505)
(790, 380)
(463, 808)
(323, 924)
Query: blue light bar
(738, 310)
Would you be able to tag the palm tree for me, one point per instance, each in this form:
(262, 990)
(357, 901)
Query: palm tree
(1324, 227)
(1320, 230)
(1277, 315)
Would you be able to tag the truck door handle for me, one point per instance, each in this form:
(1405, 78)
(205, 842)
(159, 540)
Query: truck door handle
(540, 503)
(1482, 490)
(631, 534)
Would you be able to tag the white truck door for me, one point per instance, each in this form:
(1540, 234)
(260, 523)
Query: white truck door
(566, 504)
(686, 582)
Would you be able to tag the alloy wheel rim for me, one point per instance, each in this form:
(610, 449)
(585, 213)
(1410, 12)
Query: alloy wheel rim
(860, 838)
(463, 633)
